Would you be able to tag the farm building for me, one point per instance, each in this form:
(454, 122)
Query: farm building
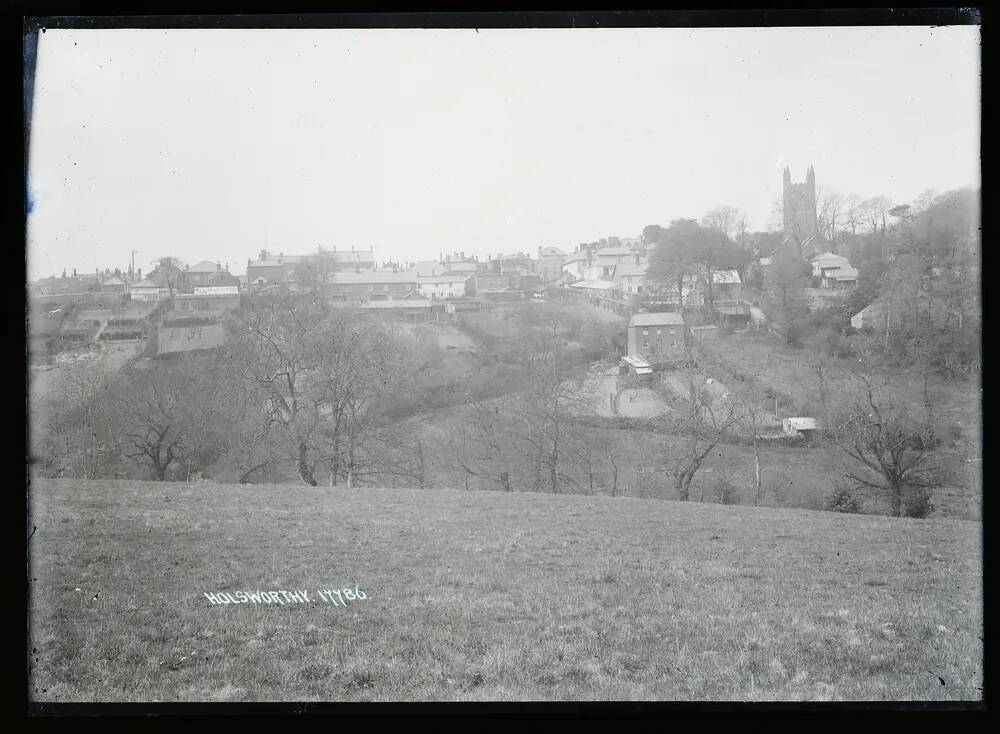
(635, 365)
(656, 337)
(834, 271)
(799, 426)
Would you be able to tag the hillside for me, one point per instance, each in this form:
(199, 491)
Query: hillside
(490, 596)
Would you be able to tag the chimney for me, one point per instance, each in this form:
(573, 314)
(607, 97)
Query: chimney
(462, 254)
(637, 258)
(218, 265)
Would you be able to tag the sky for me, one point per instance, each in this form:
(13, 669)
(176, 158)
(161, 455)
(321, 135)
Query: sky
(214, 144)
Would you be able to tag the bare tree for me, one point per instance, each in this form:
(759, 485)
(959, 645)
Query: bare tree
(853, 212)
(891, 454)
(701, 423)
(830, 205)
(752, 417)
(279, 350)
(552, 395)
(726, 219)
(167, 418)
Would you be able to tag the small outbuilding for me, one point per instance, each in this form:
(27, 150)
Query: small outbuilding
(799, 426)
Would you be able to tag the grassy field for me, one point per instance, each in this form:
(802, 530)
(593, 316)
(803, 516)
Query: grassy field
(489, 596)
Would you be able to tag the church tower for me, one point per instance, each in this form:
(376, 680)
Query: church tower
(799, 206)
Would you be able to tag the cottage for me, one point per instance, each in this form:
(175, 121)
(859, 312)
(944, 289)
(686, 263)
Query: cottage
(834, 271)
(114, 285)
(441, 286)
(631, 277)
(607, 258)
(147, 290)
(267, 272)
(844, 277)
(656, 337)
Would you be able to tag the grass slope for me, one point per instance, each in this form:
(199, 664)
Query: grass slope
(481, 595)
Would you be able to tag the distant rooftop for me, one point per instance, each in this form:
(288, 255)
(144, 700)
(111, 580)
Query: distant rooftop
(205, 267)
(598, 285)
(660, 318)
(372, 277)
(631, 269)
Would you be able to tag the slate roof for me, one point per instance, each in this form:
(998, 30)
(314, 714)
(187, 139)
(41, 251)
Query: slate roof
(662, 318)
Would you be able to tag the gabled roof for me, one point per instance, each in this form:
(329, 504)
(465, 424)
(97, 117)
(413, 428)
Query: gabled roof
(630, 269)
(114, 281)
(659, 318)
(205, 267)
(844, 273)
(552, 252)
(266, 264)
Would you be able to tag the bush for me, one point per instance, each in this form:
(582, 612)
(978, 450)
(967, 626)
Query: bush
(918, 503)
(727, 492)
(844, 499)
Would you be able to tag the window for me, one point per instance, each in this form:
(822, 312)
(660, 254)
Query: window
(645, 343)
(658, 331)
(645, 332)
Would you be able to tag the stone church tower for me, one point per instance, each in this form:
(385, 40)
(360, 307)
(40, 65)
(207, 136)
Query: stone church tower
(799, 207)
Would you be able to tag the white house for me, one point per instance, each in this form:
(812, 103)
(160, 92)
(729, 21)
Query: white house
(441, 286)
(631, 276)
(147, 290)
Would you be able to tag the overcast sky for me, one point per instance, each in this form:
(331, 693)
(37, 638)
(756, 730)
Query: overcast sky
(207, 144)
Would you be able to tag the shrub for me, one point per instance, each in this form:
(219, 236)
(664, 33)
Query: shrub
(918, 503)
(727, 492)
(844, 499)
